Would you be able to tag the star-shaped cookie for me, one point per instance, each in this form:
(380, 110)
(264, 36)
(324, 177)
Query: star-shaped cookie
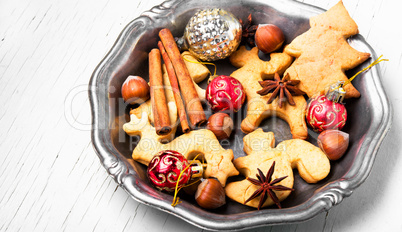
(204, 142)
(311, 163)
(323, 53)
(251, 70)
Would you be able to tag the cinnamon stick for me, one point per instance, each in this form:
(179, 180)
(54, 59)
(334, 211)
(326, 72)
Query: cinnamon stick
(175, 88)
(158, 99)
(192, 102)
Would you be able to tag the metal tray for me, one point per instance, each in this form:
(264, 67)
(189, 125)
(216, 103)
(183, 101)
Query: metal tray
(369, 117)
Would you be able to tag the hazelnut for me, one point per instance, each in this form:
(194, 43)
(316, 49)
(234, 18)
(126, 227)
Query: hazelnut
(135, 90)
(191, 188)
(221, 125)
(334, 143)
(269, 38)
(210, 194)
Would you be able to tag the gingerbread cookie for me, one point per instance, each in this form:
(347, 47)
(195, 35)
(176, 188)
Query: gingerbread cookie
(251, 70)
(323, 53)
(312, 164)
(204, 142)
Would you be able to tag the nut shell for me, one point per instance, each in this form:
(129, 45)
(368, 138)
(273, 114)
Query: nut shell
(135, 90)
(210, 194)
(269, 38)
(334, 143)
(221, 125)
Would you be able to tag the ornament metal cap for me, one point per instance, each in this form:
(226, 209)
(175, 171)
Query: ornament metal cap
(197, 169)
(336, 92)
(181, 43)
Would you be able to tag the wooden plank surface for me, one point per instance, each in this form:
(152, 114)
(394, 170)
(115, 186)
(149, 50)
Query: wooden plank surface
(50, 176)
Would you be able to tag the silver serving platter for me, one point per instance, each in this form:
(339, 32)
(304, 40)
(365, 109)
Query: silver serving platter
(369, 117)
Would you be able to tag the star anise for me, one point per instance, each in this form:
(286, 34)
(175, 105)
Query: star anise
(248, 30)
(267, 186)
(284, 87)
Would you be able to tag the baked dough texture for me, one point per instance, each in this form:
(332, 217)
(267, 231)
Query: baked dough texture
(251, 70)
(311, 163)
(323, 53)
(203, 142)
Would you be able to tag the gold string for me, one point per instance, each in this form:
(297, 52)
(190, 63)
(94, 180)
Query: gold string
(187, 185)
(365, 69)
(199, 62)
(176, 199)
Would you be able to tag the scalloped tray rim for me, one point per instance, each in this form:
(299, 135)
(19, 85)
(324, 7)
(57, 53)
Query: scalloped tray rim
(325, 198)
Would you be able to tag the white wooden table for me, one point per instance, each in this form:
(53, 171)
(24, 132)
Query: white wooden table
(50, 177)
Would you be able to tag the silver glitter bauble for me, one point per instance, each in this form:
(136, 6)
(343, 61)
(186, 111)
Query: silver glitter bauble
(211, 34)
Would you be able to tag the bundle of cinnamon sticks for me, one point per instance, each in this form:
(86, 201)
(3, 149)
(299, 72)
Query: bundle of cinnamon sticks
(185, 94)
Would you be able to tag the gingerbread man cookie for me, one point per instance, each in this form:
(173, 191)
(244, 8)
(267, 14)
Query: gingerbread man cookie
(204, 142)
(251, 70)
(312, 164)
(323, 54)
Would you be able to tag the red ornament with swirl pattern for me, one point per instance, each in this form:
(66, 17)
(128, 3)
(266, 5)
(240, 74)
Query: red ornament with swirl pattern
(323, 114)
(225, 93)
(165, 168)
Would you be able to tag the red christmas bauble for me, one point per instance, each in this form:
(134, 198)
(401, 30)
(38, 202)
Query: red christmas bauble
(225, 93)
(323, 114)
(165, 168)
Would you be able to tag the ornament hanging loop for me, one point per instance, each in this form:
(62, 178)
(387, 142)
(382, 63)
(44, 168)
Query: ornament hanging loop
(196, 170)
(377, 61)
(200, 62)
(337, 92)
